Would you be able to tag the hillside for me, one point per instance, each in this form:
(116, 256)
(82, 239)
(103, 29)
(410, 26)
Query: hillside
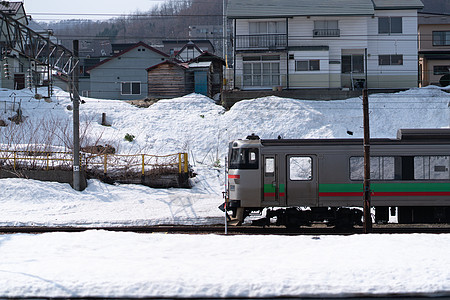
(169, 20)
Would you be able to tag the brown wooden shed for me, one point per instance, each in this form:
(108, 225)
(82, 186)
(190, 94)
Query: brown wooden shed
(169, 79)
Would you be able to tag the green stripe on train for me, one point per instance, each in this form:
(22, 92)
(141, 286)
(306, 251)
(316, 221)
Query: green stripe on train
(386, 187)
(269, 188)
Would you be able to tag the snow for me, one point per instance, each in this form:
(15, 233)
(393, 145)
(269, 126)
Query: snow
(112, 264)
(106, 264)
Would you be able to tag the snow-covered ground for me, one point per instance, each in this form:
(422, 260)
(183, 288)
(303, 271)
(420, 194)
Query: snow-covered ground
(105, 264)
(97, 263)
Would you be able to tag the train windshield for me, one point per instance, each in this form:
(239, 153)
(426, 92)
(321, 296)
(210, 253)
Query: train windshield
(244, 158)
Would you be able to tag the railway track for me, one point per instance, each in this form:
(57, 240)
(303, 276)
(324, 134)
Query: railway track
(220, 229)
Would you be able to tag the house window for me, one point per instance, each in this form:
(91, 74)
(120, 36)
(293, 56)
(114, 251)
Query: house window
(388, 25)
(261, 71)
(267, 27)
(441, 38)
(441, 70)
(388, 60)
(307, 65)
(267, 34)
(353, 63)
(326, 28)
(130, 88)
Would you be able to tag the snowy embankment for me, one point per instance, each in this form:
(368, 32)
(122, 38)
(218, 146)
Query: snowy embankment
(106, 264)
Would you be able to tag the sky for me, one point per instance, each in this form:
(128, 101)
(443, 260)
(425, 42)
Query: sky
(47, 10)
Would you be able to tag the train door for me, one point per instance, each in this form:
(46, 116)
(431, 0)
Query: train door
(302, 180)
(271, 187)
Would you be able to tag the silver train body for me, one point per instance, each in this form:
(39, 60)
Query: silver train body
(299, 182)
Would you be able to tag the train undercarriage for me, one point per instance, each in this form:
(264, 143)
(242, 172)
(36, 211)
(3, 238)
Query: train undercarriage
(340, 217)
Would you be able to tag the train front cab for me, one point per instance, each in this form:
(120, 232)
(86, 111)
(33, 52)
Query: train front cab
(243, 177)
(259, 177)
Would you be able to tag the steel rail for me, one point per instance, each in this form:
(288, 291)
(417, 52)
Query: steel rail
(220, 229)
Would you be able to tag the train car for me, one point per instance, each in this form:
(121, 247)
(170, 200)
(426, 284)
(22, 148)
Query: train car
(301, 181)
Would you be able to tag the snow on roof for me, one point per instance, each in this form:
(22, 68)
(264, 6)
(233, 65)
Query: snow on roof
(203, 64)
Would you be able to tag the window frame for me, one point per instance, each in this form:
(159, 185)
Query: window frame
(131, 88)
(443, 40)
(267, 27)
(387, 28)
(326, 28)
(441, 72)
(389, 58)
(311, 168)
(352, 63)
(241, 158)
(263, 75)
(309, 66)
(375, 161)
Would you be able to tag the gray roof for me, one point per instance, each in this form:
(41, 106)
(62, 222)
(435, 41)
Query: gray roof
(397, 4)
(10, 7)
(436, 7)
(290, 8)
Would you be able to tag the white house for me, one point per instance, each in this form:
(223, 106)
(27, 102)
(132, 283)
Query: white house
(324, 43)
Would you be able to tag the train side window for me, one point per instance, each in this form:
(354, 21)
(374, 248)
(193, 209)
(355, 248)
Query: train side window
(431, 167)
(244, 158)
(381, 168)
(269, 166)
(300, 168)
(408, 168)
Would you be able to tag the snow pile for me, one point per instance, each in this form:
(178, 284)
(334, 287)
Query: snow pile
(195, 124)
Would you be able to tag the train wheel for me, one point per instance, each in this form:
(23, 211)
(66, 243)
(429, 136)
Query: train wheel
(238, 216)
(381, 214)
(292, 218)
(405, 215)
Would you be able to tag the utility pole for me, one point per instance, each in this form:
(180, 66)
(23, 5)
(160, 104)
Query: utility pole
(76, 119)
(366, 185)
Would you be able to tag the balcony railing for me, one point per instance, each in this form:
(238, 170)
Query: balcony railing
(261, 41)
(326, 32)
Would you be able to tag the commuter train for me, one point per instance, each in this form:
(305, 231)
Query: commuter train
(296, 182)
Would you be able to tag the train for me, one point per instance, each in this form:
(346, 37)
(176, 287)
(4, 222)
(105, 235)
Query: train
(300, 182)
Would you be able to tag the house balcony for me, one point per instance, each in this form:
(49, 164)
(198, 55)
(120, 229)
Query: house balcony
(326, 32)
(261, 42)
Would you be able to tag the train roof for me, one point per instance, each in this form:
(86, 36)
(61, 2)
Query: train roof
(404, 136)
